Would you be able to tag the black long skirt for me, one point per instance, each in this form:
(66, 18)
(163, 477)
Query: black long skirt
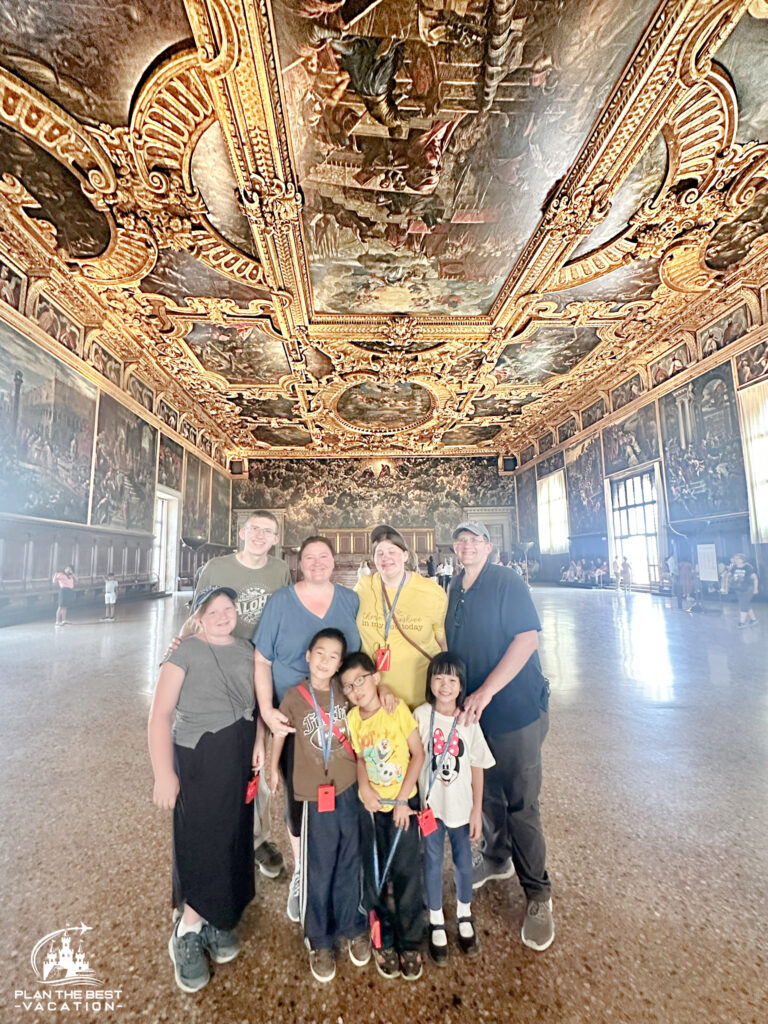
(213, 826)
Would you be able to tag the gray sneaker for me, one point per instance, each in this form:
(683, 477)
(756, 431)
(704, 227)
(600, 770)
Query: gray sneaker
(220, 946)
(360, 949)
(485, 870)
(293, 906)
(539, 925)
(189, 961)
(322, 963)
(269, 860)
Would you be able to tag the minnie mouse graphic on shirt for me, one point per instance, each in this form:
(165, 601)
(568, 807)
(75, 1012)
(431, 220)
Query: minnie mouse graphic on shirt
(449, 770)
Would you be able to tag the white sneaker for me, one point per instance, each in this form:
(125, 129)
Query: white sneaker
(293, 906)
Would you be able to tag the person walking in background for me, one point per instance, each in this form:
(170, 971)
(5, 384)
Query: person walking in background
(431, 568)
(743, 579)
(110, 597)
(65, 581)
(625, 575)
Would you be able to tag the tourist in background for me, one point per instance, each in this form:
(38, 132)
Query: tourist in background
(65, 581)
(744, 583)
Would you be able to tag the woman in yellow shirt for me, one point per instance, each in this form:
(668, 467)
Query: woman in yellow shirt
(401, 618)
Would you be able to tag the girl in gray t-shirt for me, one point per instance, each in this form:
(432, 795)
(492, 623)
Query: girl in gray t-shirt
(204, 743)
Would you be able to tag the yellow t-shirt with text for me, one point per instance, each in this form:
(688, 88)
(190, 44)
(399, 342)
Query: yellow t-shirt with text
(382, 742)
(420, 610)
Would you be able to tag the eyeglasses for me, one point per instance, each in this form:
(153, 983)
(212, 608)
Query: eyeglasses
(261, 531)
(473, 542)
(356, 683)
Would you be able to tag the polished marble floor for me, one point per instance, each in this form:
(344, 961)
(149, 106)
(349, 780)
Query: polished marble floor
(655, 805)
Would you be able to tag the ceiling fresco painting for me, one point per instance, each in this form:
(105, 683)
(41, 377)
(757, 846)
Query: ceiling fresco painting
(387, 228)
(242, 353)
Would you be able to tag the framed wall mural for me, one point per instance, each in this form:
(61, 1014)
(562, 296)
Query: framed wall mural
(672, 363)
(109, 366)
(188, 432)
(221, 509)
(527, 454)
(626, 392)
(722, 332)
(586, 491)
(407, 492)
(58, 325)
(593, 414)
(170, 464)
(196, 504)
(527, 507)
(566, 430)
(703, 461)
(753, 364)
(631, 442)
(47, 419)
(12, 285)
(552, 462)
(124, 474)
(142, 392)
(167, 414)
(546, 441)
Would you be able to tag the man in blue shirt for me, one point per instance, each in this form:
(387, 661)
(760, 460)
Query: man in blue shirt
(493, 626)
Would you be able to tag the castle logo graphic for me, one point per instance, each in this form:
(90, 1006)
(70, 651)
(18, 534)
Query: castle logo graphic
(59, 958)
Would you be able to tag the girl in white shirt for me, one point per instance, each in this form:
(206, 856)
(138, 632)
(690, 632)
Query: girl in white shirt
(451, 785)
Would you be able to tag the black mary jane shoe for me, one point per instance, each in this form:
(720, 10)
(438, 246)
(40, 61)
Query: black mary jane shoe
(438, 954)
(468, 943)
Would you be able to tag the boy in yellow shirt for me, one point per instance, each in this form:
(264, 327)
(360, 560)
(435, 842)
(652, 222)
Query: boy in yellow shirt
(389, 758)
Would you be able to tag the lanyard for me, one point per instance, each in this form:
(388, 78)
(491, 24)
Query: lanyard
(380, 879)
(389, 615)
(326, 739)
(434, 772)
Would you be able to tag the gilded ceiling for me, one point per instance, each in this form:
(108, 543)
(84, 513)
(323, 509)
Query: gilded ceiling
(316, 227)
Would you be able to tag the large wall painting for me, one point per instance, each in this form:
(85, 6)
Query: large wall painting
(425, 148)
(586, 491)
(170, 463)
(703, 460)
(631, 442)
(527, 507)
(195, 514)
(221, 509)
(47, 417)
(124, 474)
(11, 286)
(323, 493)
(753, 364)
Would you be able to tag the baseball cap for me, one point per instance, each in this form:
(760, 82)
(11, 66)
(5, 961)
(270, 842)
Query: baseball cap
(384, 532)
(209, 592)
(478, 529)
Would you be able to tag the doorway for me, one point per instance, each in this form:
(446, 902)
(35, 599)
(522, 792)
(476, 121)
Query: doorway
(635, 524)
(165, 548)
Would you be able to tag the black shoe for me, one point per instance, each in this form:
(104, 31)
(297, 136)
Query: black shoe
(468, 943)
(439, 954)
(269, 860)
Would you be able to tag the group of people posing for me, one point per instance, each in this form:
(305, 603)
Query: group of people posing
(398, 714)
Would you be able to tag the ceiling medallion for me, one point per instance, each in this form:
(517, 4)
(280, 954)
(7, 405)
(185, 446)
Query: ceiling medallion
(383, 407)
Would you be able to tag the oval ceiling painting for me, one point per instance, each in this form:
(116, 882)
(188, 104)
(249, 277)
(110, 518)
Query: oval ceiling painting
(384, 406)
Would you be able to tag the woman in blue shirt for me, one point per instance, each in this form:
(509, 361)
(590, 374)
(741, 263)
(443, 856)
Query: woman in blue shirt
(291, 617)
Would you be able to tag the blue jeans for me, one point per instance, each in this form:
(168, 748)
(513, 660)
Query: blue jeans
(434, 845)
